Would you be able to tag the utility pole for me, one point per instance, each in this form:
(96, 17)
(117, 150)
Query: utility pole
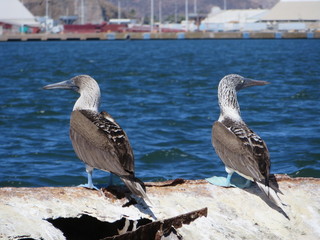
(47, 15)
(197, 21)
(119, 11)
(175, 11)
(187, 16)
(151, 17)
(47, 8)
(82, 12)
(160, 14)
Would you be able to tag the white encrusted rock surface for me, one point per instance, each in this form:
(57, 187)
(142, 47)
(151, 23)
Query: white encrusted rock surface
(232, 213)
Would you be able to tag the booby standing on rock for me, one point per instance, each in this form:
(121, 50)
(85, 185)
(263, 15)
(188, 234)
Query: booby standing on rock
(96, 137)
(239, 148)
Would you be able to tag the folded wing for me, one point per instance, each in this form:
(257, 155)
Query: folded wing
(101, 143)
(242, 150)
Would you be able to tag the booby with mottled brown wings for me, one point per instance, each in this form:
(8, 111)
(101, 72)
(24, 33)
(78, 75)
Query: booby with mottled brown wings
(97, 138)
(239, 148)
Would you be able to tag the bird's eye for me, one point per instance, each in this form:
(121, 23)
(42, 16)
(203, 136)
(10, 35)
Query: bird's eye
(242, 81)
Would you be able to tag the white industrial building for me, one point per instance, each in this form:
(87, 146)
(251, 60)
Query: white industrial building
(294, 15)
(286, 15)
(14, 16)
(234, 20)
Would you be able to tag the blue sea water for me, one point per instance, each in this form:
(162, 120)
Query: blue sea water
(164, 94)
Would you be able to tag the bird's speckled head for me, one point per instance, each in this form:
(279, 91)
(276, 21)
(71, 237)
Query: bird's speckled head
(81, 83)
(84, 83)
(227, 94)
(86, 86)
(237, 82)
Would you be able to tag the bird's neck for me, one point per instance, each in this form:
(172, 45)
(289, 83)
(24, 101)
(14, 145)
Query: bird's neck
(88, 101)
(229, 107)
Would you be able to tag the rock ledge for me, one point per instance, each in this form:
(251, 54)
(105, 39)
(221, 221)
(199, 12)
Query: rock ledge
(33, 213)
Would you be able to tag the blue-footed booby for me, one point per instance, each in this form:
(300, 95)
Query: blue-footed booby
(240, 149)
(97, 138)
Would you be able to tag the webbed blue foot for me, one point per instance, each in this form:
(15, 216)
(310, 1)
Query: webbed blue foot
(237, 181)
(88, 186)
(219, 181)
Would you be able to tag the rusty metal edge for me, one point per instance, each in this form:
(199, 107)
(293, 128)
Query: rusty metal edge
(159, 228)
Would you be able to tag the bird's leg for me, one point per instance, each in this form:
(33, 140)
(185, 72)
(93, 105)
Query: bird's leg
(228, 180)
(222, 181)
(245, 185)
(237, 181)
(90, 185)
(110, 179)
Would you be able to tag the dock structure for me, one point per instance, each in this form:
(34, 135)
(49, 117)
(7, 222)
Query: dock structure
(158, 36)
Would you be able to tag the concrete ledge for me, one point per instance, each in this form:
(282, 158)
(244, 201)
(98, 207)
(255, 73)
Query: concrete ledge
(232, 213)
(262, 35)
(294, 35)
(157, 36)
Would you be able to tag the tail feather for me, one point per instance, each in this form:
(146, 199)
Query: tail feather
(271, 194)
(137, 187)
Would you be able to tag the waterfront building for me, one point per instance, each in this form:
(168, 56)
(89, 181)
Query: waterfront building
(15, 18)
(294, 15)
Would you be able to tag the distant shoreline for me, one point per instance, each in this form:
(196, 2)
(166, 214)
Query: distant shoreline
(158, 36)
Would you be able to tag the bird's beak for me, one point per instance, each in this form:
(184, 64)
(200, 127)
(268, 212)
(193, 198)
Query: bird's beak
(68, 84)
(250, 82)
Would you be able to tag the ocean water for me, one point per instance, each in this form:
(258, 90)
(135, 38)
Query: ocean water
(164, 95)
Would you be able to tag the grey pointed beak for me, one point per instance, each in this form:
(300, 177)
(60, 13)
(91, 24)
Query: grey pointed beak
(250, 82)
(68, 84)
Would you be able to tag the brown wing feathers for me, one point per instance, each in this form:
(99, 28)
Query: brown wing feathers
(241, 150)
(107, 146)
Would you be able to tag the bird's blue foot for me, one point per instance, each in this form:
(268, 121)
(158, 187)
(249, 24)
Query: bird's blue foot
(219, 181)
(90, 183)
(88, 186)
(228, 182)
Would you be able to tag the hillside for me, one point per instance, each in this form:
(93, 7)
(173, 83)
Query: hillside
(97, 11)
